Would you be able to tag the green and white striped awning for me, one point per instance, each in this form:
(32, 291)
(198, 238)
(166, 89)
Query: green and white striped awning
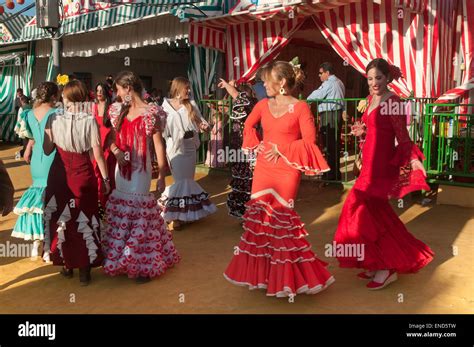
(14, 26)
(16, 71)
(101, 15)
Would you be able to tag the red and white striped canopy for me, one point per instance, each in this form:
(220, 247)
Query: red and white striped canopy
(205, 36)
(421, 37)
(465, 20)
(413, 5)
(420, 44)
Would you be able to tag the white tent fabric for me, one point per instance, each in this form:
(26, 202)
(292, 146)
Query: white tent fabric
(148, 32)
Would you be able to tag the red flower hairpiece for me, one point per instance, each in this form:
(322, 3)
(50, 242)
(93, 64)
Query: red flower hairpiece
(395, 72)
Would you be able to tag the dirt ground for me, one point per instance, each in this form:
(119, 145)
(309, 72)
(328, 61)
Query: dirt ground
(196, 284)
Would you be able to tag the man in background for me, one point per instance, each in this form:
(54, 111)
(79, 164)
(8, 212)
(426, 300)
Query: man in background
(330, 117)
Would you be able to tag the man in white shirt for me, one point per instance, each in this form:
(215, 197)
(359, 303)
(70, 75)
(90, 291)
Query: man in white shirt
(330, 116)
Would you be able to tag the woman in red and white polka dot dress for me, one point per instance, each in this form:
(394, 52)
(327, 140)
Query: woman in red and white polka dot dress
(137, 242)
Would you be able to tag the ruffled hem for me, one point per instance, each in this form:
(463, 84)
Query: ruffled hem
(30, 211)
(29, 226)
(308, 160)
(136, 242)
(27, 236)
(287, 291)
(21, 129)
(27, 210)
(32, 201)
(186, 214)
(185, 201)
(372, 223)
(273, 253)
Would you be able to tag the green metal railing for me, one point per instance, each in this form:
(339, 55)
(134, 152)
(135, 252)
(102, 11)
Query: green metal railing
(327, 122)
(448, 144)
(420, 114)
(217, 114)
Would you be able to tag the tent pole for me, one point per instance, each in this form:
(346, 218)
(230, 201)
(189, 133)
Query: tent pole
(56, 51)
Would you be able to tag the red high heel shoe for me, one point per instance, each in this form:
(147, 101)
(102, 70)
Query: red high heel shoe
(392, 277)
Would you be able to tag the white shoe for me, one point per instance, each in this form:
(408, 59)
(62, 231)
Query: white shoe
(47, 257)
(34, 249)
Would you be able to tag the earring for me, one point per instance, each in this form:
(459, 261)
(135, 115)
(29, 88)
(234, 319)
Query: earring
(178, 96)
(282, 91)
(127, 99)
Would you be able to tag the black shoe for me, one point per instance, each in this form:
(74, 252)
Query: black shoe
(68, 273)
(85, 276)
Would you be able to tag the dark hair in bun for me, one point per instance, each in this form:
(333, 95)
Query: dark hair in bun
(46, 92)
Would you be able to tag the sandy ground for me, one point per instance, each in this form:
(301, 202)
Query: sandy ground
(196, 284)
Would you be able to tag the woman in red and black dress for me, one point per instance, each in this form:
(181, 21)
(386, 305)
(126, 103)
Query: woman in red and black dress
(243, 102)
(72, 214)
(388, 171)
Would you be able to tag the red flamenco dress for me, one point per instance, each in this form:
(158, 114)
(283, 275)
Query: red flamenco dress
(367, 217)
(273, 253)
(71, 214)
(105, 136)
(137, 242)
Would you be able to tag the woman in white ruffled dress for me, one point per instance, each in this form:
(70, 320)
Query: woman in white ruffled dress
(185, 200)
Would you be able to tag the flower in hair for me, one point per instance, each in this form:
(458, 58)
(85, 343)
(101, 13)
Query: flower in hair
(62, 80)
(395, 72)
(295, 62)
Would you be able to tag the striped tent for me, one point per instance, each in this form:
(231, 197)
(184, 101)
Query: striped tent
(14, 25)
(80, 16)
(251, 35)
(50, 71)
(16, 64)
(464, 59)
(202, 71)
(415, 35)
(419, 43)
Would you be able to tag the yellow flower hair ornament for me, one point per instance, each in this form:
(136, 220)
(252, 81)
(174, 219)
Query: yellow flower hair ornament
(62, 80)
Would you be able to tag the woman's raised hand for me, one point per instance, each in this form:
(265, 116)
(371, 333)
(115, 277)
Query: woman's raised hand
(222, 83)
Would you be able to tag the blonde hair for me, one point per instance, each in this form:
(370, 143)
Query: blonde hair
(284, 70)
(179, 86)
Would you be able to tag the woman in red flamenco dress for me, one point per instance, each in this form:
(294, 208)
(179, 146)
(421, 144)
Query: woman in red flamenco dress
(100, 110)
(388, 171)
(273, 253)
